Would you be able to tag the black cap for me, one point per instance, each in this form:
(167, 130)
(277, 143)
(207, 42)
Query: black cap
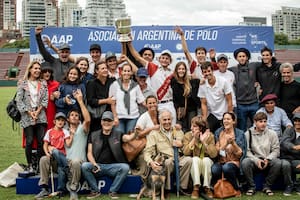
(95, 47)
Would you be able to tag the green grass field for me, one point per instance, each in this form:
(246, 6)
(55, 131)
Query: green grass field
(11, 151)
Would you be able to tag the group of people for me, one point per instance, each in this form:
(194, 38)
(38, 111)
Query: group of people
(225, 120)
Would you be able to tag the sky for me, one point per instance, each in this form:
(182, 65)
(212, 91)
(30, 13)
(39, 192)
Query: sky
(197, 12)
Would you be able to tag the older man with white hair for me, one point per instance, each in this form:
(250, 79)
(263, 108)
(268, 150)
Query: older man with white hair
(163, 141)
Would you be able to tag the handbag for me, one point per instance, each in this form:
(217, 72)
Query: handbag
(12, 110)
(224, 189)
(96, 112)
(133, 147)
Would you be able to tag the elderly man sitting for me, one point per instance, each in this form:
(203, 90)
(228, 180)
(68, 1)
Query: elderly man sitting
(163, 141)
(277, 117)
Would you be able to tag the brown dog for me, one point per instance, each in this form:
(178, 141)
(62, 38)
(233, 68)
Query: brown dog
(156, 179)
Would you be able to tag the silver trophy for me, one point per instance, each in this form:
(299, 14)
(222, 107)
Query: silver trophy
(123, 26)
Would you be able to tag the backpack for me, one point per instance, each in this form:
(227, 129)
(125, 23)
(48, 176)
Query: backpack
(12, 111)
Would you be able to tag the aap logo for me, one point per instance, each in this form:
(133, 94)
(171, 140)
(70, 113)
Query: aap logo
(58, 39)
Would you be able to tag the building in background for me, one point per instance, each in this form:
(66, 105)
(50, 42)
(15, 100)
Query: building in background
(254, 21)
(70, 13)
(38, 13)
(287, 21)
(102, 12)
(33, 14)
(8, 20)
(52, 13)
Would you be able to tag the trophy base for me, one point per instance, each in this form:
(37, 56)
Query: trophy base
(124, 38)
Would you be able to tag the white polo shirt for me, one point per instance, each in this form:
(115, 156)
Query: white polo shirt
(215, 96)
(230, 78)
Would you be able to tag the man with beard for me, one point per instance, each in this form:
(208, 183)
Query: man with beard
(59, 65)
(215, 96)
(267, 74)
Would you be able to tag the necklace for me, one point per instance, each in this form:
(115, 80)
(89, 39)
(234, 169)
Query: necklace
(33, 84)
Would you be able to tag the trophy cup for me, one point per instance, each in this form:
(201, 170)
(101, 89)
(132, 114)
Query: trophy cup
(123, 26)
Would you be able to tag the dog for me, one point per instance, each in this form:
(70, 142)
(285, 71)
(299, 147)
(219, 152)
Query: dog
(156, 179)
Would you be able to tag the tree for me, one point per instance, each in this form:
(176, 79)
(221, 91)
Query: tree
(281, 39)
(21, 44)
(295, 42)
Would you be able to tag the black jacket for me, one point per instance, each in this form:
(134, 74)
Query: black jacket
(114, 141)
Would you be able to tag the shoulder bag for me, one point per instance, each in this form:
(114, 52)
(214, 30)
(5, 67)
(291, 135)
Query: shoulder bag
(12, 110)
(224, 189)
(133, 147)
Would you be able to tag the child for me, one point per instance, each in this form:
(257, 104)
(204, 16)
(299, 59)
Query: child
(54, 146)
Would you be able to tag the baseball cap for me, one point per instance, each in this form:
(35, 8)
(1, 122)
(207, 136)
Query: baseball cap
(107, 115)
(95, 47)
(142, 72)
(64, 46)
(269, 97)
(296, 115)
(109, 55)
(60, 115)
(222, 56)
(166, 51)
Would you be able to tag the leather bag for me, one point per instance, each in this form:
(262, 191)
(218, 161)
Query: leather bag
(12, 110)
(224, 189)
(134, 147)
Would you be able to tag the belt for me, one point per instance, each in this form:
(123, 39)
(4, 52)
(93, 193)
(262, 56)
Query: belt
(165, 101)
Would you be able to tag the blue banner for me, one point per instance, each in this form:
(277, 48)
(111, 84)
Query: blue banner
(221, 38)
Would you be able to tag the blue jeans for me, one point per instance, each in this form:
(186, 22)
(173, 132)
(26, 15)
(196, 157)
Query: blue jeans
(62, 169)
(117, 170)
(229, 170)
(244, 112)
(126, 125)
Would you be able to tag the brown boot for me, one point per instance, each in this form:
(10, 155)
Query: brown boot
(208, 192)
(195, 193)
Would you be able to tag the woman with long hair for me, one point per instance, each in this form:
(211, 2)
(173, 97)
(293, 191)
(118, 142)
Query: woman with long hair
(83, 64)
(185, 103)
(232, 147)
(128, 95)
(32, 99)
(69, 86)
